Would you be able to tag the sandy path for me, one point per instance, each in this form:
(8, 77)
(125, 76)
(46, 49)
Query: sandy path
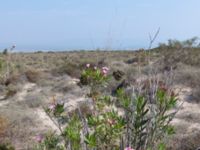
(20, 96)
(40, 114)
(45, 121)
(24, 92)
(189, 114)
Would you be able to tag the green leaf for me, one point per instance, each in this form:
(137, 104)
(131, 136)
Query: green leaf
(161, 146)
(59, 110)
(90, 139)
(145, 112)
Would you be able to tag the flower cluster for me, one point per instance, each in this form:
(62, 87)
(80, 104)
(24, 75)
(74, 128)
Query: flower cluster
(93, 75)
(53, 104)
(52, 107)
(88, 65)
(39, 138)
(55, 107)
(129, 148)
(104, 70)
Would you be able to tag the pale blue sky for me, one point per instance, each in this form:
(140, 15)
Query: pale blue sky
(92, 24)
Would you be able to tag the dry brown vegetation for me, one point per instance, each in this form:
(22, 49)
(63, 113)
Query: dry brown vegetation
(3, 125)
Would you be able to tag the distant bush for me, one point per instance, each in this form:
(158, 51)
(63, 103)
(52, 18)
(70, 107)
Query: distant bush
(39, 52)
(72, 69)
(5, 51)
(189, 43)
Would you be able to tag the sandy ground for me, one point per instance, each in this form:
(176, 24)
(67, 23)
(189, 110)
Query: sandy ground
(187, 119)
(41, 122)
(189, 113)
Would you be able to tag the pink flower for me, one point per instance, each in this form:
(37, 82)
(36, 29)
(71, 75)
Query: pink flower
(95, 68)
(129, 148)
(104, 72)
(105, 68)
(39, 138)
(52, 107)
(87, 65)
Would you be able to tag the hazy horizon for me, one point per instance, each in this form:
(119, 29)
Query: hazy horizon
(115, 24)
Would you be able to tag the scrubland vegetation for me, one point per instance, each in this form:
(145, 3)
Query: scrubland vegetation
(101, 100)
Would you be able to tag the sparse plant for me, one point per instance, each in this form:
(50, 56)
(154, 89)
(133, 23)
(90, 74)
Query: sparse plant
(48, 141)
(72, 133)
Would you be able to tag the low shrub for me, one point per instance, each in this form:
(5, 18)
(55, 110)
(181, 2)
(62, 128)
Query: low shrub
(33, 75)
(72, 69)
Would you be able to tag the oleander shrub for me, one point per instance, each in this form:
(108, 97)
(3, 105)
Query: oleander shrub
(124, 121)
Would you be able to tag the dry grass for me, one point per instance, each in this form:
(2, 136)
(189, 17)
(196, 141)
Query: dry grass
(184, 142)
(20, 125)
(189, 76)
(172, 57)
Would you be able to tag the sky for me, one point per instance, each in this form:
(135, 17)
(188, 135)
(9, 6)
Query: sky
(95, 24)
